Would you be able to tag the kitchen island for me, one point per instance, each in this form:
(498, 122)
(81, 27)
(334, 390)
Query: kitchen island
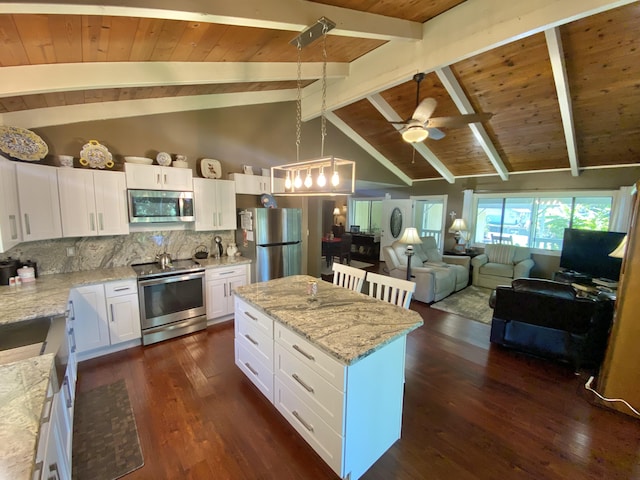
(332, 364)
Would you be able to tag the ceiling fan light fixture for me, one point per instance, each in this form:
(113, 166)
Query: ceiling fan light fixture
(415, 134)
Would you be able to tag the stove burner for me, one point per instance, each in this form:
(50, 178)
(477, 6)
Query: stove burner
(147, 270)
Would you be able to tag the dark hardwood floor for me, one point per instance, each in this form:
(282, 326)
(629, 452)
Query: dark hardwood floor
(471, 412)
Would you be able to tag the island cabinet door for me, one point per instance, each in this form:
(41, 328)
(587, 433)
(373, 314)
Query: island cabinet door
(89, 317)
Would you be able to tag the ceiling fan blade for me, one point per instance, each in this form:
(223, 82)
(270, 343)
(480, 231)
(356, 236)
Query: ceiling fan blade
(424, 110)
(435, 133)
(458, 121)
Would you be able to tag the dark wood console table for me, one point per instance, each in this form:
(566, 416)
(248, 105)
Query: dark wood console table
(365, 247)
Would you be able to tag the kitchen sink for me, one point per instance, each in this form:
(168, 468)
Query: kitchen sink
(28, 332)
(30, 338)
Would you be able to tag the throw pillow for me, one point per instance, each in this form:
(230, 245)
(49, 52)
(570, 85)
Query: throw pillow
(500, 253)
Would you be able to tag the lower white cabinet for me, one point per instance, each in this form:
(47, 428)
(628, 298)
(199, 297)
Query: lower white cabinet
(220, 282)
(105, 314)
(349, 414)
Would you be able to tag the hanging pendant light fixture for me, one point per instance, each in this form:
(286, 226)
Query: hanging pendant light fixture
(342, 171)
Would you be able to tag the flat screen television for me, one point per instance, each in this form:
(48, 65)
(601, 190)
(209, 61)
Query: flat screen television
(587, 252)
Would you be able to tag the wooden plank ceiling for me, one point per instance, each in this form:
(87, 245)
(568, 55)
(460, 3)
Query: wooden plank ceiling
(513, 79)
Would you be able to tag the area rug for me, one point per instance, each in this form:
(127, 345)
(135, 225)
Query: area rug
(105, 437)
(354, 263)
(471, 302)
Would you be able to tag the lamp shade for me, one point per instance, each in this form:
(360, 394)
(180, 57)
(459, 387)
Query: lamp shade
(618, 252)
(458, 225)
(410, 236)
(336, 211)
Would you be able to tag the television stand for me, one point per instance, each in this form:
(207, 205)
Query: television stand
(566, 276)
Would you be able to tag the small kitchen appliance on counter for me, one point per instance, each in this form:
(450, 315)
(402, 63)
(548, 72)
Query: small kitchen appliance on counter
(171, 298)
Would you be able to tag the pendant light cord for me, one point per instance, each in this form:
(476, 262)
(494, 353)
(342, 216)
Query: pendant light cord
(299, 103)
(323, 120)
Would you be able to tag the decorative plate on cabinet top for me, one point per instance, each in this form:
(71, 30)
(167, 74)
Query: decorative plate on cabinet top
(22, 144)
(164, 159)
(95, 155)
(210, 168)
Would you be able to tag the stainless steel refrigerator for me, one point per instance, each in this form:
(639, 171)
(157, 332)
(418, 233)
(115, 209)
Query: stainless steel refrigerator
(272, 239)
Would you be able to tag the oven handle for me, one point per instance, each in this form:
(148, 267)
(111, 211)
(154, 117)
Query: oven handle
(171, 278)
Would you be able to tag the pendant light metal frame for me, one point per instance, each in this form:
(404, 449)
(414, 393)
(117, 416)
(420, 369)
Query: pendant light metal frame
(337, 168)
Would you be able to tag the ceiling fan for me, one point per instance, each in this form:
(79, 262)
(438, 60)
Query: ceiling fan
(422, 126)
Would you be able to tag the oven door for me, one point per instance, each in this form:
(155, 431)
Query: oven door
(171, 298)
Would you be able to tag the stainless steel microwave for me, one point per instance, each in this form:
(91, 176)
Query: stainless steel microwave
(150, 206)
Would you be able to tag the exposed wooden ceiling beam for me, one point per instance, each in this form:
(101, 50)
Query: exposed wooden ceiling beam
(462, 32)
(292, 15)
(27, 80)
(391, 115)
(556, 54)
(366, 146)
(43, 117)
(458, 96)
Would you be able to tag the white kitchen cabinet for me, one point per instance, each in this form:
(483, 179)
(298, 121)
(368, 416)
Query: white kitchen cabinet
(123, 311)
(105, 315)
(220, 283)
(215, 204)
(154, 177)
(89, 317)
(10, 233)
(39, 201)
(253, 184)
(53, 459)
(93, 202)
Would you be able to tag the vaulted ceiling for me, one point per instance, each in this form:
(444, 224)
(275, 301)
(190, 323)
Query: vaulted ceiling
(561, 77)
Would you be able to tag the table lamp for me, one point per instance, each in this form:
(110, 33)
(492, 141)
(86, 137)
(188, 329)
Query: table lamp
(620, 250)
(410, 237)
(456, 228)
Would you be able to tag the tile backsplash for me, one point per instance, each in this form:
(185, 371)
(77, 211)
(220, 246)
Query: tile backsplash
(65, 255)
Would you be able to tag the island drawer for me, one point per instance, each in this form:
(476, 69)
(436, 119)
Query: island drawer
(322, 438)
(322, 397)
(255, 340)
(247, 313)
(311, 356)
(254, 369)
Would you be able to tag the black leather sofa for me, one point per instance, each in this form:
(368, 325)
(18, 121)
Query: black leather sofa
(549, 319)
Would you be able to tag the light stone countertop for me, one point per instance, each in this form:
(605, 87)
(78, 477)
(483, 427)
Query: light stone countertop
(343, 323)
(23, 391)
(224, 261)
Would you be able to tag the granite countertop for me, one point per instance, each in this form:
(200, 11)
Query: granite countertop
(47, 296)
(224, 261)
(23, 391)
(345, 324)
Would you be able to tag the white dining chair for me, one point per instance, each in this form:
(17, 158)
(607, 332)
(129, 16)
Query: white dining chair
(348, 277)
(391, 289)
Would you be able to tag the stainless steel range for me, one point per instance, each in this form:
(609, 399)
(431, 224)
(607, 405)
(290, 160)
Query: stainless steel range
(172, 299)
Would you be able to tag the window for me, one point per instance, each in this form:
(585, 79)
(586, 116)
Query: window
(429, 217)
(538, 221)
(367, 214)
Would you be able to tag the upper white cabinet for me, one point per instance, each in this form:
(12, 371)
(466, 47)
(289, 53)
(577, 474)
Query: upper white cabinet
(215, 204)
(39, 201)
(153, 177)
(10, 233)
(255, 184)
(92, 202)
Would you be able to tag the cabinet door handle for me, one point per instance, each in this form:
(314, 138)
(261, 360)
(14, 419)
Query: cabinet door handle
(72, 334)
(65, 383)
(158, 179)
(219, 218)
(246, 364)
(71, 313)
(302, 421)
(165, 178)
(251, 316)
(100, 221)
(47, 416)
(121, 289)
(14, 227)
(53, 468)
(37, 470)
(92, 222)
(111, 307)
(304, 385)
(250, 339)
(27, 226)
(308, 355)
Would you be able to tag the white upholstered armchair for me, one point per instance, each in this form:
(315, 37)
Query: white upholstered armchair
(500, 264)
(436, 276)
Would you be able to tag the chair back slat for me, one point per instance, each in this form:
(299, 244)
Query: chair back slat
(390, 289)
(348, 277)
